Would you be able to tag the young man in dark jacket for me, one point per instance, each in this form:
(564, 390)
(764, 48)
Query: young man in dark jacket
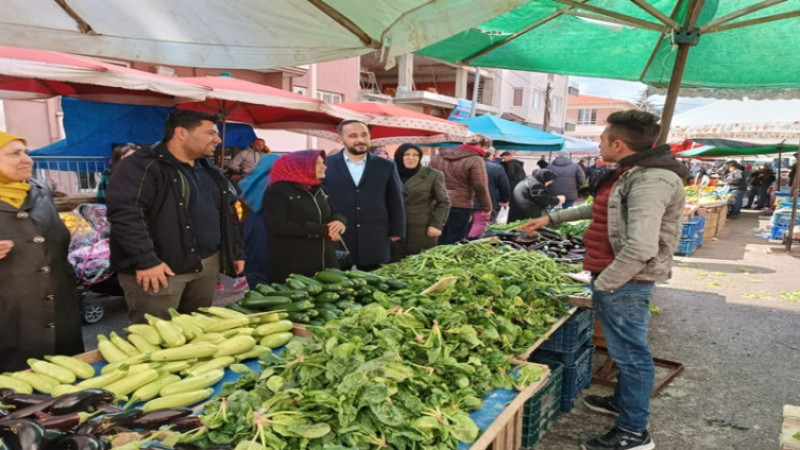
(173, 228)
(515, 169)
(636, 224)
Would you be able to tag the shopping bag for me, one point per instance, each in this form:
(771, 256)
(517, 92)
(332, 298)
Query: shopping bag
(343, 255)
(502, 216)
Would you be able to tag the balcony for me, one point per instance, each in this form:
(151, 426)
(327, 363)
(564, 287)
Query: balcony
(436, 100)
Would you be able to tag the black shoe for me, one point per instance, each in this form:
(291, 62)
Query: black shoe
(619, 439)
(600, 404)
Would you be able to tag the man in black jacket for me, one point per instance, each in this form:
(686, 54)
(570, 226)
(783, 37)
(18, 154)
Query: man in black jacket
(515, 169)
(173, 228)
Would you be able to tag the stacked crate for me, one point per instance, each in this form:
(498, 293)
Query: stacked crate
(691, 236)
(571, 346)
(542, 410)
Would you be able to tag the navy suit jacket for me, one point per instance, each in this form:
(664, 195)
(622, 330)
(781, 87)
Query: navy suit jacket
(374, 209)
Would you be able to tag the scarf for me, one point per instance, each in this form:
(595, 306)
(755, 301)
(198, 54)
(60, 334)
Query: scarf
(481, 152)
(404, 172)
(13, 192)
(298, 168)
(256, 181)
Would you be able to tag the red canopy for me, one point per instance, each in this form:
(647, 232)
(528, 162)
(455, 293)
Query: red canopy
(31, 74)
(392, 124)
(265, 106)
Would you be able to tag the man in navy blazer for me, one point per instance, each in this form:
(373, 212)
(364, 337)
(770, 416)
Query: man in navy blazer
(367, 190)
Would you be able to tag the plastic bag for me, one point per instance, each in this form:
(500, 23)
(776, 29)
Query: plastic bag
(89, 252)
(502, 216)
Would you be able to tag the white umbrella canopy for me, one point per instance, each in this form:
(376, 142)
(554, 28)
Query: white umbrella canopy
(756, 121)
(247, 34)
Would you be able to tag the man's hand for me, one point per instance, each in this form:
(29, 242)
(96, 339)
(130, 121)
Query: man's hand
(335, 230)
(561, 199)
(434, 232)
(394, 238)
(5, 247)
(487, 214)
(239, 266)
(532, 225)
(154, 277)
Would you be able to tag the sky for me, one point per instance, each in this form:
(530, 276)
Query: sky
(631, 91)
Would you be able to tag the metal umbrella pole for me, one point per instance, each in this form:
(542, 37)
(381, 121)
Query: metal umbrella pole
(795, 183)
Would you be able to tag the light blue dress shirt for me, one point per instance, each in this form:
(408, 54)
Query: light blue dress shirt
(356, 168)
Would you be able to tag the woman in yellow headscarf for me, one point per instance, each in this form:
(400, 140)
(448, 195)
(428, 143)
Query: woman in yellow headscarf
(39, 312)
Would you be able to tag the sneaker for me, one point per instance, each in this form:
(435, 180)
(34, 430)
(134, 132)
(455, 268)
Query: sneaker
(619, 439)
(600, 404)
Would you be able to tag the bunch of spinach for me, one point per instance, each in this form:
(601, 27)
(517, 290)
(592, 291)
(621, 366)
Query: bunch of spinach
(402, 372)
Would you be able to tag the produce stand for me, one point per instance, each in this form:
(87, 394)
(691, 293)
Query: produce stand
(526, 355)
(70, 202)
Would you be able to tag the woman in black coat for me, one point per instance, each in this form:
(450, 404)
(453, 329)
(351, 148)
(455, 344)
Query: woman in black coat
(530, 198)
(302, 225)
(39, 312)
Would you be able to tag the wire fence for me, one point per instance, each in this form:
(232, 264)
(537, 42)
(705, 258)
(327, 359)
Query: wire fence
(70, 174)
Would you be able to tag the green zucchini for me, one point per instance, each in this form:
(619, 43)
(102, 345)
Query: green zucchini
(295, 284)
(396, 284)
(326, 297)
(299, 317)
(299, 305)
(327, 276)
(264, 289)
(308, 281)
(238, 307)
(348, 305)
(262, 303)
(328, 314)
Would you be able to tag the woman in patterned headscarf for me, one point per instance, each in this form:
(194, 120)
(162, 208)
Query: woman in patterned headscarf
(302, 224)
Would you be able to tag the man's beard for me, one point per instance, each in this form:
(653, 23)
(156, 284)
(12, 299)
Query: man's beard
(356, 151)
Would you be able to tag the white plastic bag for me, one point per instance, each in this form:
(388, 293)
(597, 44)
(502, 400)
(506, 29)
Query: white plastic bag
(502, 216)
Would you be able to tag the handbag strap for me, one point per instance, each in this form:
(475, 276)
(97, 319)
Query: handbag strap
(341, 242)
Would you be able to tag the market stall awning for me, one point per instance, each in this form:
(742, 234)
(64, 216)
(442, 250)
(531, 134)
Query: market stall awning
(33, 74)
(508, 135)
(252, 34)
(392, 124)
(713, 151)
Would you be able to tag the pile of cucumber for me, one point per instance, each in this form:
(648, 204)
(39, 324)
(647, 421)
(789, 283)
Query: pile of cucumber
(315, 300)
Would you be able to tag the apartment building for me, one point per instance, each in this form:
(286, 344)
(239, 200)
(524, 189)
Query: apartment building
(587, 115)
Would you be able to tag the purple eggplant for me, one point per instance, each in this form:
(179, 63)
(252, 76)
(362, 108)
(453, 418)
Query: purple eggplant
(64, 421)
(29, 411)
(5, 392)
(82, 442)
(24, 400)
(21, 434)
(100, 424)
(155, 419)
(185, 424)
(107, 408)
(84, 400)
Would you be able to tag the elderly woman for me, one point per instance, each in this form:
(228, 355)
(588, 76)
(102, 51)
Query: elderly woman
(530, 198)
(302, 224)
(38, 309)
(426, 202)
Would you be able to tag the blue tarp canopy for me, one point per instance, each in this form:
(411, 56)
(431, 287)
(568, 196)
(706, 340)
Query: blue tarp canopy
(508, 135)
(93, 128)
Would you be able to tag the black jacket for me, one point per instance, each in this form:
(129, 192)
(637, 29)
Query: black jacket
(148, 209)
(515, 171)
(529, 200)
(374, 209)
(296, 223)
(38, 309)
(499, 187)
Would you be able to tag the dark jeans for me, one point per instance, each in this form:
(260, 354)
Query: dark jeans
(456, 227)
(624, 315)
(567, 204)
(761, 193)
(738, 199)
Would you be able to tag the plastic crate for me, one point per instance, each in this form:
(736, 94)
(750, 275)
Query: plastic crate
(687, 246)
(542, 410)
(573, 334)
(778, 231)
(690, 229)
(575, 377)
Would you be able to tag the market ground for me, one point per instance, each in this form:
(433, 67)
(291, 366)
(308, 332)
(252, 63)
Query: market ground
(730, 314)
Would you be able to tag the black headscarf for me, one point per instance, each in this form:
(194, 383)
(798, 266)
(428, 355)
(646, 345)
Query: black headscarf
(544, 175)
(405, 174)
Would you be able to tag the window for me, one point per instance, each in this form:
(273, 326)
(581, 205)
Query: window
(299, 90)
(330, 97)
(538, 99)
(556, 105)
(587, 116)
(518, 93)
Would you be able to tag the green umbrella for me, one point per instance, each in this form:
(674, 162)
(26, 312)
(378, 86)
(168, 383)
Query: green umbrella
(725, 44)
(710, 151)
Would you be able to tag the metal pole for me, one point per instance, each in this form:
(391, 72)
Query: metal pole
(672, 91)
(222, 149)
(475, 92)
(795, 183)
